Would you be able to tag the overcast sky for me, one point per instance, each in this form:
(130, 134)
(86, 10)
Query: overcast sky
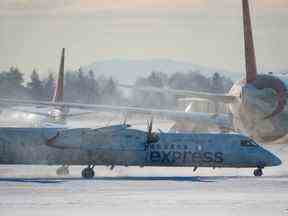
(203, 32)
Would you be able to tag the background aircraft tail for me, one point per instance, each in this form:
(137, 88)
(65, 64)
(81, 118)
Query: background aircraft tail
(250, 59)
(251, 68)
(58, 91)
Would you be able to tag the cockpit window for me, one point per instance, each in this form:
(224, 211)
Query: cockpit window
(248, 143)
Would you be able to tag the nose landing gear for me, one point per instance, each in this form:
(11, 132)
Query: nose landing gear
(88, 172)
(258, 172)
(63, 170)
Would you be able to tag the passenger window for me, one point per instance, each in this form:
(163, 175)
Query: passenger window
(248, 143)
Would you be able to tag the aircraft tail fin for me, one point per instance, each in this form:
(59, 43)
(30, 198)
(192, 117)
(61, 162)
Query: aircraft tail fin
(59, 88)
(250, 59)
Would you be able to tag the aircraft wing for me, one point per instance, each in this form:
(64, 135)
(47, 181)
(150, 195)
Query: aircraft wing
(43, 110)
(78, 113)
(209, 119)
(224, 98)
(30, 111)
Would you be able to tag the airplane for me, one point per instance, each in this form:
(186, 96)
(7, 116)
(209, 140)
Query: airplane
(57, 115)
(120, 145)
(251, 100)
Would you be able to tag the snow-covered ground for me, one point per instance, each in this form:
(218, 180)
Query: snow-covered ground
(35, 190)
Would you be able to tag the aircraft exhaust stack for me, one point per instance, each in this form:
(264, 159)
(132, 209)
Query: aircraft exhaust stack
(59, 89)
(250, 59)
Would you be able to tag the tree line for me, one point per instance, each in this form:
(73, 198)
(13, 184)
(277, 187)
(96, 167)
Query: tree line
(79, 87)
(85, 87)
(191, 80)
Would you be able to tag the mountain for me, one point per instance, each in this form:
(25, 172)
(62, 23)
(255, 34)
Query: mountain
(126, 71)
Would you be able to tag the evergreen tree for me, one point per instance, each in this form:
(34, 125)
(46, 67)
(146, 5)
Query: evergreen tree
(153, 99)
(110, 87)
(11, 83)
(71, 92)
(81, 86)
(36, 86)
(14, 76)
(109, 92)
(217, 85)
(49, 87)
(193, 80)
(93, 88)
(157, 79)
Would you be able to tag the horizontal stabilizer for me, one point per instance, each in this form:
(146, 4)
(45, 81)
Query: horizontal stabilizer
(223, 98)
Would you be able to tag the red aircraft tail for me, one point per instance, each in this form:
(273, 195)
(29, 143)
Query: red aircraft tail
(58, 91)
(250, 59)
(266, 81)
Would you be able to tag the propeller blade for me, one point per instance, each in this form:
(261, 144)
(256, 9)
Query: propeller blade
(149, 130)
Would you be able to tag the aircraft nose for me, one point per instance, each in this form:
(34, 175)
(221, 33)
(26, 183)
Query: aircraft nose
(276, 161)
(272, 160)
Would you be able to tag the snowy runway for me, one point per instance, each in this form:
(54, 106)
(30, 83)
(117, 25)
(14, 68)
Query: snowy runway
(125, 192)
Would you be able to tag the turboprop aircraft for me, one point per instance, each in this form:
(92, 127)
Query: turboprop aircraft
(119, 145)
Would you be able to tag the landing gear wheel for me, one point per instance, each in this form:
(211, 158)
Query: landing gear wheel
(63, 171)
(88, 173)
(258, 172)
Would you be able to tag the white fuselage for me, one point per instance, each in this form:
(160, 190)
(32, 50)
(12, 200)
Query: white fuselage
(118, 145)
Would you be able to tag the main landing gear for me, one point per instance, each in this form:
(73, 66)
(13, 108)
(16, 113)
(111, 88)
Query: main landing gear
(63, 170)
(88, 172)
(258, 171)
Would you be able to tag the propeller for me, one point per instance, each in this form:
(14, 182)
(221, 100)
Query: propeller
(149, 131)
(125, 121)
